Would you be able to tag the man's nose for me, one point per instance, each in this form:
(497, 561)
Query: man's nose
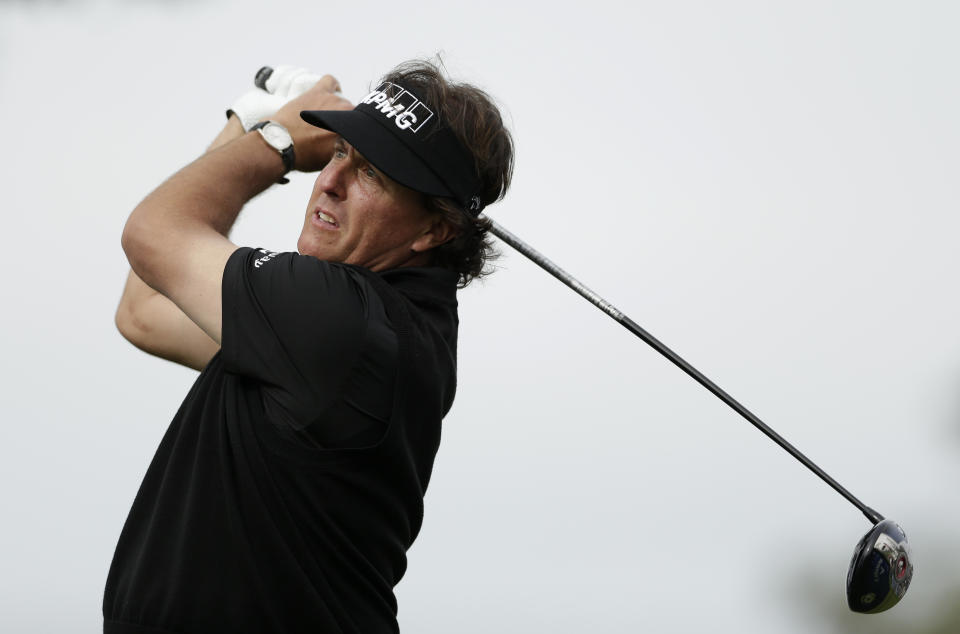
(331, 179)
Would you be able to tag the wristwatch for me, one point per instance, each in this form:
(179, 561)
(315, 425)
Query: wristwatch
(279, 139)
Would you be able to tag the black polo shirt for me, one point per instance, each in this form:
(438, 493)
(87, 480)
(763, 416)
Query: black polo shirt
(290, 483)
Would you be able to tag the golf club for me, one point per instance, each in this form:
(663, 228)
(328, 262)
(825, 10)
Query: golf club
(881, 568)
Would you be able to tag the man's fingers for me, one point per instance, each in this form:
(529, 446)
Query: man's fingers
(329, 83)
(290, 82)
(255, 105)
(302, 83)
(308, 81)
(279, 81)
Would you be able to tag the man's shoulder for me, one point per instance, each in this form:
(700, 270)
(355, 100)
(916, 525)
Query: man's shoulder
(291, 272)
(425, 284)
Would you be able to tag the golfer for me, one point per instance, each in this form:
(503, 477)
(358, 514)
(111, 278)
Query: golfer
(289, 485)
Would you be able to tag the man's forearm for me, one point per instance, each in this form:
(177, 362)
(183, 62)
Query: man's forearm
(211, 191)
(233, 130)
(206, 196)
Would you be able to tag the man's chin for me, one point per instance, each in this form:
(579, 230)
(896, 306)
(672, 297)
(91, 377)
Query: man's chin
(306, 246)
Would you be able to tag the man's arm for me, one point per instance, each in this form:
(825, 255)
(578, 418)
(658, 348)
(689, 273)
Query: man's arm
(155, 324)
(176, 240)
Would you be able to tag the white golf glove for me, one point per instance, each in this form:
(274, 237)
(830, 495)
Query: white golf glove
(284, 84)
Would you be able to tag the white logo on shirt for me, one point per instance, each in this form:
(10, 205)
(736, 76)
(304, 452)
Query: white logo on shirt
(268, 255)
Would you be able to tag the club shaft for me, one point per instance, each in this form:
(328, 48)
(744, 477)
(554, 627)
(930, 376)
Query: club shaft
(547, 265)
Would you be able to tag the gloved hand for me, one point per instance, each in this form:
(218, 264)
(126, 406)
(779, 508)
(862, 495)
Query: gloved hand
(284, 84)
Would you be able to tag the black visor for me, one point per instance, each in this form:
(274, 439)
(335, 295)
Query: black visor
(402, 136)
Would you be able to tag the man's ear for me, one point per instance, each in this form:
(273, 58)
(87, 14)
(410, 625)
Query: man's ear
(438, 232)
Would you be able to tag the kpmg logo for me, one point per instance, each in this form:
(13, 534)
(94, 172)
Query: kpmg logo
(402, 106)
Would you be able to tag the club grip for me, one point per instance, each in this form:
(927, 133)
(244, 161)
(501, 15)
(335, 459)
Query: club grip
(260, 79)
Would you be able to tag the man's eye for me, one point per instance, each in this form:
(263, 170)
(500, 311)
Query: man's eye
(339, 152)
(370, 172)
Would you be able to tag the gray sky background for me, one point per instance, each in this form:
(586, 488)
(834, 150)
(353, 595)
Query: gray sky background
(769, 188)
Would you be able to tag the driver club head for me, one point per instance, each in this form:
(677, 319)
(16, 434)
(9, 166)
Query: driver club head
(881, 569)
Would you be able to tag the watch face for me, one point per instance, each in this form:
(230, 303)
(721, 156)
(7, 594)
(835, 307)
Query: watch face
(277, 136)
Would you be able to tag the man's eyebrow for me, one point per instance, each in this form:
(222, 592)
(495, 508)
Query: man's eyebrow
(354, 151)
(342, 141)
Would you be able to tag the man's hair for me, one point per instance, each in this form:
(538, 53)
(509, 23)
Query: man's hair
(475, 120)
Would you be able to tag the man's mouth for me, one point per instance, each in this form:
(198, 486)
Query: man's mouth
(326, 218)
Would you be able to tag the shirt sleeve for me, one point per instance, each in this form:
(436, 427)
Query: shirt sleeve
(294, 323)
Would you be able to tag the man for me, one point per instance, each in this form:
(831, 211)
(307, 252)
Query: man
(289, 485)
